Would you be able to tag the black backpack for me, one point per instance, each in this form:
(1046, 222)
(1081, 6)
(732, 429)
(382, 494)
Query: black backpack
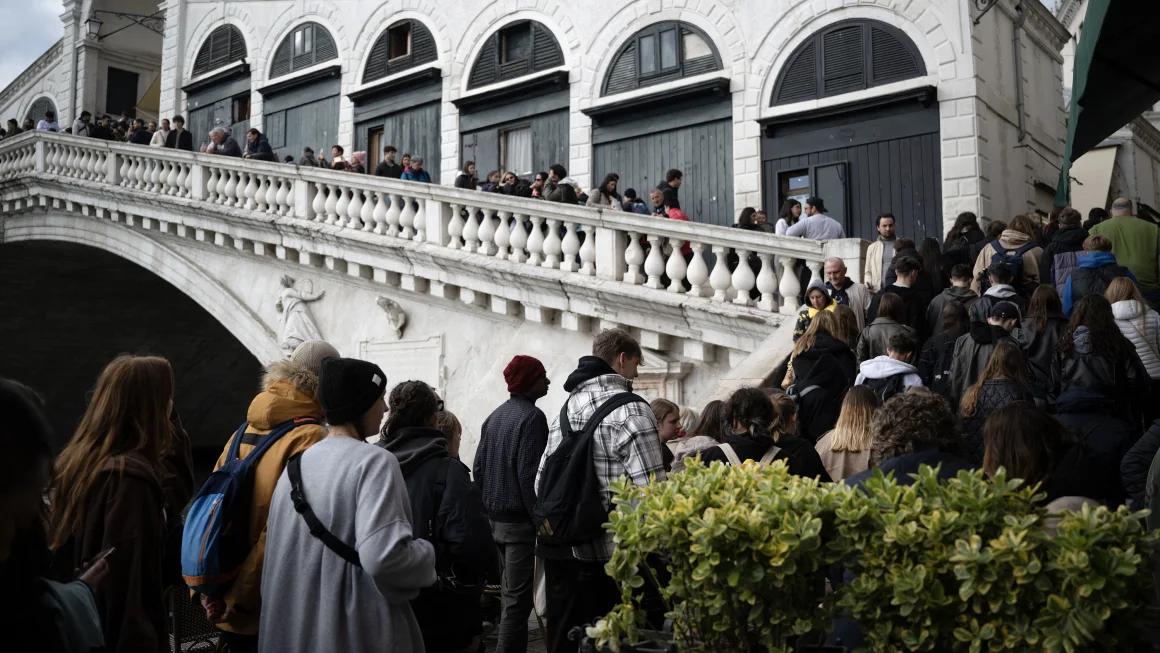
(888, 387)
(941, 377)
(570, 506)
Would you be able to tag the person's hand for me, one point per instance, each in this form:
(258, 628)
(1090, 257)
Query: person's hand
(216, 611)
(94, 574)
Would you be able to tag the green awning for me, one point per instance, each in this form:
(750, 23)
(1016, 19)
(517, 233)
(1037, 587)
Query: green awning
(1117, 76)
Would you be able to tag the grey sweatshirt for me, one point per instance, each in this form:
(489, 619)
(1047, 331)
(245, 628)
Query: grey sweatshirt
(318, 601)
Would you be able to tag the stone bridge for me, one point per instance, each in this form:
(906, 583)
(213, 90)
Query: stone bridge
(430, 282)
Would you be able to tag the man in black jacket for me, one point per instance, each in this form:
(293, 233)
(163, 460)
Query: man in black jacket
(140, 135)
(179, 138)
(1059, 258)
(258, 147)
(973, 350)
(387, 167)
(960, 292)
(914, 299)
(446, 510)
(510, 445)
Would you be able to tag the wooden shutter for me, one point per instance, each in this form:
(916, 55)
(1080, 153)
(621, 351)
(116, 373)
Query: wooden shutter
(282, 56)
(324, 46)
(545, 51)
(622, 74)
(224, 46)
(891, 59)
(799, 81)
(323, 49)
(486, 63)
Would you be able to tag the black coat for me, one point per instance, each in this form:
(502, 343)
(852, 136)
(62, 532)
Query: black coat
(1081, 473)
(260, 150)
(800, 455)
(934, 310)
(458, 528)
(934, 362)
(1092, 419)
(914, 301)
(1121, 378)
(140, 137)
(1136, 464)
(972, 352)
(388, 170)
(182, 141)
(958, 249)
(993, 395)
(819, 395)
(825, 344)
(1067, 239)
(1039, 349)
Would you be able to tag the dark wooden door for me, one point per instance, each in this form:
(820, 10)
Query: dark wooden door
(121, 92)
(704, 153)
(885, 160)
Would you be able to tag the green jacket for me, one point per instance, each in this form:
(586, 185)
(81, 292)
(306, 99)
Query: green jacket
(1136, 245)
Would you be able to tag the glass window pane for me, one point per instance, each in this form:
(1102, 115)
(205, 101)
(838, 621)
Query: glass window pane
(796, 183)
(669, 49)
(309, 47)
(516, 42)
(695, 46)
(517, 151)
(297, 43)
(648, 54)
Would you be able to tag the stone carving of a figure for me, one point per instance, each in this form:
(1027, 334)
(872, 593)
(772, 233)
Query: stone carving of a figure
(297, 324)
(395, 315)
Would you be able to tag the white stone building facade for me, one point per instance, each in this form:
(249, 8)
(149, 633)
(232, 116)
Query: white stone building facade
(985, 162)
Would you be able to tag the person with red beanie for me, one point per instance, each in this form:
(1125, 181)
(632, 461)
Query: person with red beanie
(510, 446)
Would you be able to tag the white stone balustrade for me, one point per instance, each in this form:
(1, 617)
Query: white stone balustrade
(747, 269)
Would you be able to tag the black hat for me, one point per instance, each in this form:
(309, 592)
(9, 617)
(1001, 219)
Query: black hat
(817, 203)
(671, 200)
(1005, 311)
(348, 387)
(630, 194)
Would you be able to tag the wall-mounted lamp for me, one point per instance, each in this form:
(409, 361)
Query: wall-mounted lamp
(153, 22)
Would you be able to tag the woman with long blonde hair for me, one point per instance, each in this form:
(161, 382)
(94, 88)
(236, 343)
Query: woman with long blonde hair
(125, 474)
(845, 450)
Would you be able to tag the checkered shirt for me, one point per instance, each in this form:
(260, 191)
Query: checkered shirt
(625, 443)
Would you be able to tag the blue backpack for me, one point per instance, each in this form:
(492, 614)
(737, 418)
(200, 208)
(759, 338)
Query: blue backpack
(1013, 258)
(216, 539)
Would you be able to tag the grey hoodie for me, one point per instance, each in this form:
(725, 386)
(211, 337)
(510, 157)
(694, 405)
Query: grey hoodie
(885, 366)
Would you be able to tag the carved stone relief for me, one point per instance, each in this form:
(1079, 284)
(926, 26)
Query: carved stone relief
(298, 324)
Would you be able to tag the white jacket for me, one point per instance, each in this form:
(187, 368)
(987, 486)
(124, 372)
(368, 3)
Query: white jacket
(1141, 326)
(885, 366)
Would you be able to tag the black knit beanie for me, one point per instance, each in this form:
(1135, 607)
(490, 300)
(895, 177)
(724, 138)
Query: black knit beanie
(348, 387)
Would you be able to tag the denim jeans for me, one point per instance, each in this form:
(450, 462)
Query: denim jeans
(517, 544)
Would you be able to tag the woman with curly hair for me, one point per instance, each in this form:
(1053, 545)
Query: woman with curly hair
(912, 429)
(761, 429)
(447, 510)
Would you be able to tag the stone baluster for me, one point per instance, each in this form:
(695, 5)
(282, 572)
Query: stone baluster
(676, 269)
(487, 233)
(230, 190)
(126, 165)
(261, 190)
(340, 207)
(407, 219)
(570, 248)
(419, 220)
(69, 158)
(552, 245)
(354, 211)
(789, 287)
(380, 214)
(282, 197)
(743, 279)
(82, 163)
(367, 216)
(171, 186)
(698, 272)
(634, 259)
(536, 241)
(588, 251)
(470, 230)
(250, 192)
(654, 265)
(291, 198)
(91, 164)
(272, 187)
(159, 177)
(331, 204)
(61, 159)
(766, 283)
(394, 215)
(211, 186)
(455, 227)
(518, 239)
(815, 270)
(130, 172)
(319, 205)
(720, 279)
(184, 181)
(503, 235)
(147, 169)
(224, 177)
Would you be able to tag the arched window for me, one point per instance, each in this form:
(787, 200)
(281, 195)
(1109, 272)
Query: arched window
(307, 45)
(224, 46)
(405, 44)
(848, 56)
(661, 53)
(39, 108)
(519, 49)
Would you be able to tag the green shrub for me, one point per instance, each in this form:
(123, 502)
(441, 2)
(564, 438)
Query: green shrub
(964, 564)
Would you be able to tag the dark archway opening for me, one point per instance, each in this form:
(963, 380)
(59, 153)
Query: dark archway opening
(68, 309)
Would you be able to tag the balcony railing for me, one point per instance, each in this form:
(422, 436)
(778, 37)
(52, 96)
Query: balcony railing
(620, 246)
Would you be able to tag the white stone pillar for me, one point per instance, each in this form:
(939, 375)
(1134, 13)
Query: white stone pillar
(610, 245)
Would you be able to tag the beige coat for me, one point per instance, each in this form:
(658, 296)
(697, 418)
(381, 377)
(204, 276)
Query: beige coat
(872, 269)
(1011, 240)
(841, 464)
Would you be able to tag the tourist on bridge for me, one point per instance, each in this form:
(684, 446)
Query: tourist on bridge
(973, 350)
(341, 562)
(511, 443)
(48, 123)
(1059, 257)
(1136, 245)
(959, 292)
(140, 134)
(80, 126)
(816, 225)
(1003, 381)
(845, 290)
(160, 136)
(558, 189)
(633, 204)
(258, 146)
(788, 216)
(415, 171)
(671, 185)
(658, 201)
(358, 162)
(387, 167)
(466, 177)
(604, 195)
(222, 143)
(880, 254)
(179, 138)
(1095, 270)
(763, 430)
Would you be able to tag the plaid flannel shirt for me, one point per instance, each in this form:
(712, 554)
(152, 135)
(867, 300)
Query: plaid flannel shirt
(625, 443)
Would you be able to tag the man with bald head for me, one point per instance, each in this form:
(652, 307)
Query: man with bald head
(845, 290)
(1136, 246)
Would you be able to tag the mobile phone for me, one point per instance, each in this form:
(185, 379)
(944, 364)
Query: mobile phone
(97, 558)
